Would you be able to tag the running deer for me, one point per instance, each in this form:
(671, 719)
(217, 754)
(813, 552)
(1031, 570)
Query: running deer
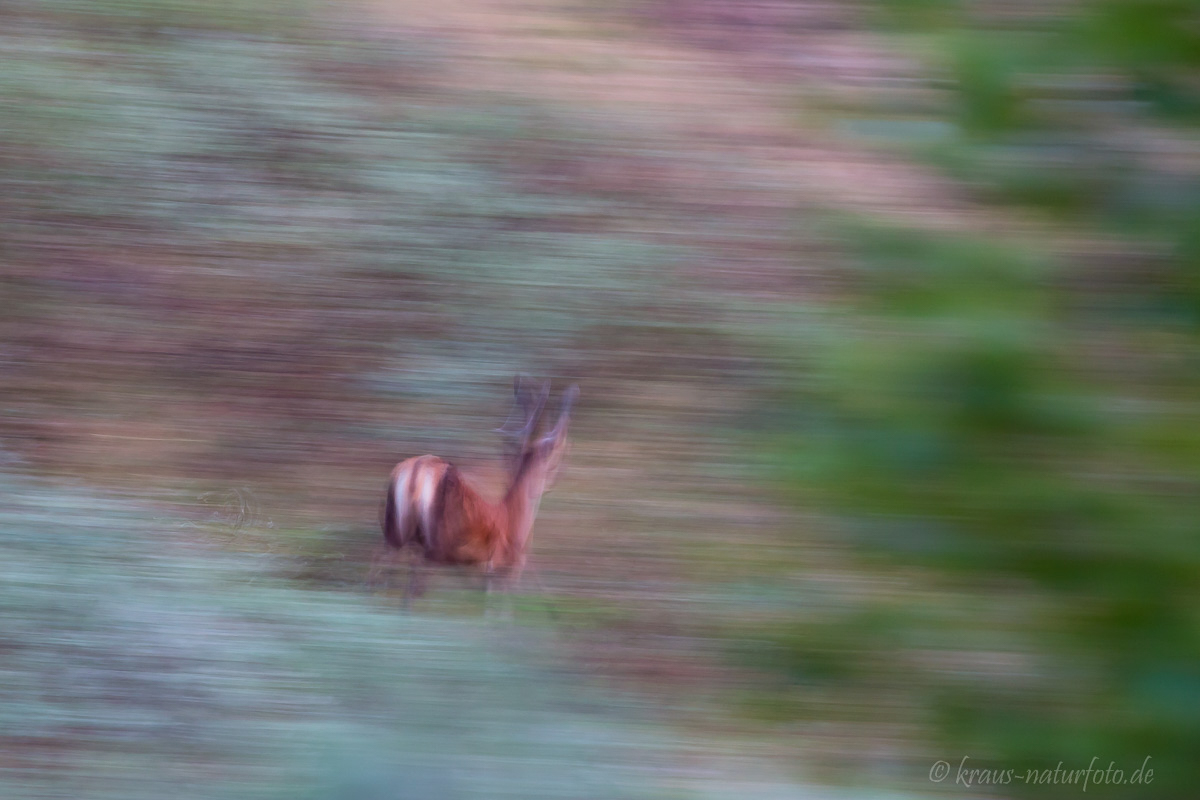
(429, 504)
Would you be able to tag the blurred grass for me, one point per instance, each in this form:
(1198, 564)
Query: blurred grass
(872, 492)
(247, 268)
(139, 657)
(237, 221)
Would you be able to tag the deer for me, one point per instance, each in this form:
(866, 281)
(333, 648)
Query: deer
(430, 505)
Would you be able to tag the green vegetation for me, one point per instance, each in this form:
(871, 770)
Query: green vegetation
(141, 660)
(1007, 431)
(838, 478)
(247, 266)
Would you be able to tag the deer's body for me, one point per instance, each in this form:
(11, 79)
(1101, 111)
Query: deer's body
(430, 505)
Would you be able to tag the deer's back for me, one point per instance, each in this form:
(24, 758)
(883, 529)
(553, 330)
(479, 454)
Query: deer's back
(430, 504)
(470, 527)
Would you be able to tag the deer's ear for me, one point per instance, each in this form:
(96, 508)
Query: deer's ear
(515, 419)
(568, 402)
(569, 397)
(564, 416)
(522, 421)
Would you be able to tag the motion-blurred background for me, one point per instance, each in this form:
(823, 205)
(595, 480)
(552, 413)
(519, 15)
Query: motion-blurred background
(885, 316)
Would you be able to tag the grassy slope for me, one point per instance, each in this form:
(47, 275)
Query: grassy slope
(246, 264)
(139, 659)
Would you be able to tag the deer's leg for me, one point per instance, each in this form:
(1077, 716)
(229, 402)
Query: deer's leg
(491, 583)
(496, 582)
(373, 567)
(415, 586)
(382, 558)
(513, 579)
(488, 571)
(543, 595)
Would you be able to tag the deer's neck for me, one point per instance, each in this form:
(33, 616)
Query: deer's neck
(520, 504)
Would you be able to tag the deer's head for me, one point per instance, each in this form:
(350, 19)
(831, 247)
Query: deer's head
(534, 460)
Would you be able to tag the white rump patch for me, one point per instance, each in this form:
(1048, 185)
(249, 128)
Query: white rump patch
(427, 488)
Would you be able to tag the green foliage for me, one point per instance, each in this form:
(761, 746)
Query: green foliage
(1004, 437)
(985, 70)
(917, 15)
(953, 429)
(1156, 42)
(1014, 427)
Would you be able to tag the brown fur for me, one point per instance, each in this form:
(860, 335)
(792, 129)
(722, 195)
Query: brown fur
(470, 530)
(429, 504)
(460, 526)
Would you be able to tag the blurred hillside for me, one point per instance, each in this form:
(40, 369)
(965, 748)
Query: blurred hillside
(885, 317)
